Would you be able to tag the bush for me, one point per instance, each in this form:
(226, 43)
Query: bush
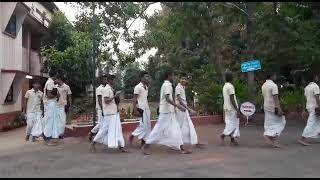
(292, 100)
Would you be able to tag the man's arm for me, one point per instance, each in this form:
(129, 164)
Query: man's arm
(100, 103)
(134, 103)
(277, 104)
(69, 99)
(181, 102)
(25, 105)
(173, 103)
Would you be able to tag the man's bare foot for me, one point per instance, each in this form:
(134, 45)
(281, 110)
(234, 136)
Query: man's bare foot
(93, 148)
(131, 140)
(276, 145)
(90, 136)
(200, 146)
(27, 137)
(234, 142)
(143, 142)
(146, 150)
(268, 140)
(303, 142)
(123, 150)
(185, 151)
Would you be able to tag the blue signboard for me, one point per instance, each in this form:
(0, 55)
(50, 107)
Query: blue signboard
(250, 66)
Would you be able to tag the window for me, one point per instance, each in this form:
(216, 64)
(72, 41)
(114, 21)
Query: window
(9, 97)
(12, 26)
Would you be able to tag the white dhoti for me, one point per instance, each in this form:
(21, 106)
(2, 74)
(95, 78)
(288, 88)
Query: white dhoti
(51, 119)
(96, 128)
(231, 124)
(312, 128)
(34, 124)
(110, 132)
(62, 119)
(273, 124)
(144, 128)
(189, 134)
(166, 132)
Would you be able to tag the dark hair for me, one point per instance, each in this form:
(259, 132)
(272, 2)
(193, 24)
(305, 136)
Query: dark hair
(35, 81)
(52, 72)
(309, 76)
(168, 72)
(183, 74)
(228, 76)
(270, 74)
(110, 77)
(142, 73)
(60, 76)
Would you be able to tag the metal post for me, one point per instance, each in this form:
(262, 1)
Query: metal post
(94, 50)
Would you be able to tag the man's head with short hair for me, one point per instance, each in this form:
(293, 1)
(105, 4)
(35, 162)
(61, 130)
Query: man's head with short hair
(144, 77)
(52, 74)
(168, 74)
(310, 76)
(110, 79)
(36, 84)
(228, 76)
(183, 78)
(59, 79)
(272, 76)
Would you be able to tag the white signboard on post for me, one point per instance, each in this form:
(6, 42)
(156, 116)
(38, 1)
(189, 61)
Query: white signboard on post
(247, 109)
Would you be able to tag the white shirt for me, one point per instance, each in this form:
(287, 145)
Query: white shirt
(111, 108)
(166, 89)
(180, 90)
(142, 96)
(99, 93)
(64, 90)
(48, 86)
(227, 90)
(34, 100)
(310, 91)
(269, 89)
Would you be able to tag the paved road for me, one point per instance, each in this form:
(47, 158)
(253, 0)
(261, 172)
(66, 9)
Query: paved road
(251, 159)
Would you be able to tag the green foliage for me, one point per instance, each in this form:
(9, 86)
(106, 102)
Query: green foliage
(292, 100)
(131, 78)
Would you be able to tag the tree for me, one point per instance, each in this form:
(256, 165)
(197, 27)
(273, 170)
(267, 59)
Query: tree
(131, 79)
(71, 55)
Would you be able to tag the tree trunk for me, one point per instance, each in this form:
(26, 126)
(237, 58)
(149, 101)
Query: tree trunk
(251, 6)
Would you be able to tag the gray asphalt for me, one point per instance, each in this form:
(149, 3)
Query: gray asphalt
(253, 158)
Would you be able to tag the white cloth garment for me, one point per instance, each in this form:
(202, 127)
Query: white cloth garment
(166, 132)
(312, 128)
(231, 123)
(96, 128)
(144, 128)
(62, 119)
(310, 91)
(34, 124)
(227, 90)
(110, 132)
(99, 93)
(269, 89)
(166, 89)
(189, 134)
(273, 124)
(52, 123)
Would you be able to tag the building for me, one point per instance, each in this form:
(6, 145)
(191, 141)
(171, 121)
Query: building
(22, 24)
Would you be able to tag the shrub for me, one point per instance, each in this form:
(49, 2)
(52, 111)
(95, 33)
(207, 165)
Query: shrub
(292, 100)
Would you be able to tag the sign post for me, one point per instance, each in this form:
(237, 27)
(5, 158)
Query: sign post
(247, 109)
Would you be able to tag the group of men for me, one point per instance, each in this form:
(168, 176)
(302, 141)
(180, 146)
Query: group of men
(274, 121)
(174, 127)
(46, 111)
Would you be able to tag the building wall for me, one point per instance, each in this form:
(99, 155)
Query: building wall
(16, 61)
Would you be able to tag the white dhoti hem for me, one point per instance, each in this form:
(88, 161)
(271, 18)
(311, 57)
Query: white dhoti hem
(110, 132)
(144, 128)
(312, 128)
(273, 124)
(231, 124)
(34, 124)
(52, 123)
(166, 132)
(96, 128)
(62, 119)
(189, 134)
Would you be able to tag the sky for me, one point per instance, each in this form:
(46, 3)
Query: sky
(71, 12)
